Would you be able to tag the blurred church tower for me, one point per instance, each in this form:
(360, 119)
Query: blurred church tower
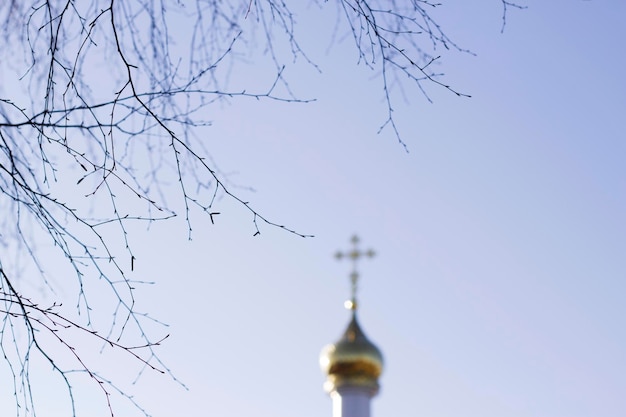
(353, 364)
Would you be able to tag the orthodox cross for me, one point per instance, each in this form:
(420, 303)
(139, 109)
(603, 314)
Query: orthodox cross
(354, 255)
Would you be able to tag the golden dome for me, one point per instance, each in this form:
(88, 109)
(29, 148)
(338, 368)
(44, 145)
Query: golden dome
(353, 360)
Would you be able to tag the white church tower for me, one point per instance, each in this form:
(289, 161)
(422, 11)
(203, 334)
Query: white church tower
(352, 364)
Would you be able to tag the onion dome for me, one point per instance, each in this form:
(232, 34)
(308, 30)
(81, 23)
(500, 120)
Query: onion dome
(352, 361)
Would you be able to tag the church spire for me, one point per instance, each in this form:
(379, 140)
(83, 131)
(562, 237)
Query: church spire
(354, 255)
(352, 364)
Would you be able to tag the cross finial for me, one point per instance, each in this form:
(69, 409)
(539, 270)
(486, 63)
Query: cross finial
(354, 254)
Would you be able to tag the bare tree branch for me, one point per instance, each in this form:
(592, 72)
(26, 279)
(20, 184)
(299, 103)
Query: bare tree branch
(102, 113)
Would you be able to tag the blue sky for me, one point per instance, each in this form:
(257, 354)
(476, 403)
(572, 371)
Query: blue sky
(500, 280)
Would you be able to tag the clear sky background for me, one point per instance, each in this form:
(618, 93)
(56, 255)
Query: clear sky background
(499, 285)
